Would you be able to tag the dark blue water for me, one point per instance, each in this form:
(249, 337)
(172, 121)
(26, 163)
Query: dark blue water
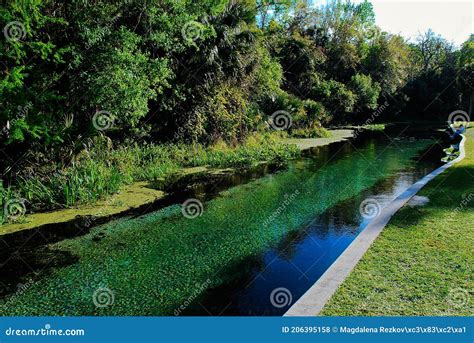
(304, 255)
(242, 256)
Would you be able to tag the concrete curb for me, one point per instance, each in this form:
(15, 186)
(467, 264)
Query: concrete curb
(313, 301)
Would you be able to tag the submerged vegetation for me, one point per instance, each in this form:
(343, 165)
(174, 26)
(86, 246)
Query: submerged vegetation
(422, 263)
(151, 264)
(165, 82)
(374, 127)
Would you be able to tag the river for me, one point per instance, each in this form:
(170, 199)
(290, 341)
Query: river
(259, 232)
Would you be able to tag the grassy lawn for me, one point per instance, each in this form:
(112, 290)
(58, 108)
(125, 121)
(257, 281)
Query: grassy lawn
(422, 263)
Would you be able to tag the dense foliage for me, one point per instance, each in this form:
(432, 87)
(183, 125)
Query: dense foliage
(103, 170)
(182, 71)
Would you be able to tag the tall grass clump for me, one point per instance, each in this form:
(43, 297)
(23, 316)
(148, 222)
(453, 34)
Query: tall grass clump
(10, 203)
(88, 178)
(99, 170)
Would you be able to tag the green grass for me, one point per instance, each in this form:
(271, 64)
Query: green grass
(311, 132)
(374, 127)
(101, 171)
(154, 263)
(422, 263)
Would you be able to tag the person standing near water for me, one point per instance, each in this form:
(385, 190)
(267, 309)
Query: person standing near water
(456, 137)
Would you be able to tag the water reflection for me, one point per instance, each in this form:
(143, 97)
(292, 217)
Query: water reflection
(246, 243)
(302, 256)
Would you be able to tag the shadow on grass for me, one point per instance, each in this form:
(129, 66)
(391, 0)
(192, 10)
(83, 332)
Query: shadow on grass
(451, 191)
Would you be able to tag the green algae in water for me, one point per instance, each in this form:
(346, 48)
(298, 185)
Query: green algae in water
(155, 263)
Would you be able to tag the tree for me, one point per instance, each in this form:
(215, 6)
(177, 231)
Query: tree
(31, 64)
(465, 79)
(347, 23)
(432, 50)
(366, 91)
(387, 62)
(268, 10)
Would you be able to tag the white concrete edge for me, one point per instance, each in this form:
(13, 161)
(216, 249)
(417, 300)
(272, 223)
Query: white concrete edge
(313, 300)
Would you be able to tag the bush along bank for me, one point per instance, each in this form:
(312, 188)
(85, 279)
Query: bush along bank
(99, 171)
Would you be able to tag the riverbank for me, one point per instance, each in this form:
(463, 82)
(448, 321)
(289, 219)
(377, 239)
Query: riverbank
(142, 192)
(152, 264)
(421, 264)
(308, 143)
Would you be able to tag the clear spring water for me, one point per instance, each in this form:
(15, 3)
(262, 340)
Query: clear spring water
(280, 230)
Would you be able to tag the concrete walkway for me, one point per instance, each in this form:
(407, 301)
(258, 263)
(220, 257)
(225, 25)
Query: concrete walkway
(313, 301)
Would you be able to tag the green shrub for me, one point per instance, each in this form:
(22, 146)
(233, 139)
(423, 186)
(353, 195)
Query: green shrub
(336, 96)
(311, 132)
(366, 90)
(98, 170)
